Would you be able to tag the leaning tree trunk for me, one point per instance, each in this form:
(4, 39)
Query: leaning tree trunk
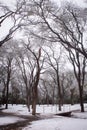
(35, 81)
(35, 92)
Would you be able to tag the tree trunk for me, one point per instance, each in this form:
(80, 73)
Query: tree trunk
(72, 96)
(81, 98)
(34, 102)
(8, 80)
(34, 107)
(59, 92)
(59, 104)
(7, 97)
(28, 103)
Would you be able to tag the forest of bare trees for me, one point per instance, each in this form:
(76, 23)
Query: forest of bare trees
(48, 64)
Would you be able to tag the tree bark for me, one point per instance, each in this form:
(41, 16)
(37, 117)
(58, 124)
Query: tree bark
(81, 98)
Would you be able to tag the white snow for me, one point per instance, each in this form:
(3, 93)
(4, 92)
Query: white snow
(51, 121)
(18, 109)
(9, 120)
(80, 115)
(62, 123)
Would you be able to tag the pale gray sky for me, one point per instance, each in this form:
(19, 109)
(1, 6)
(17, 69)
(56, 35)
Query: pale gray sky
(79, 2)
(5, 26)
(12, 2)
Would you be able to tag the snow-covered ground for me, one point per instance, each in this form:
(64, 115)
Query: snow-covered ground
(78, 121)
(59, 123)
(9, 120)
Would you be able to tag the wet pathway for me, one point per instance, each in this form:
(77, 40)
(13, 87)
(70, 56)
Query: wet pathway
(27, 119)
(18, 125)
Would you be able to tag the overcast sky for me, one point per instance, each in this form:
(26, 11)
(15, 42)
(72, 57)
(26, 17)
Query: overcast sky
(79, 2)
(5, 27)
(12, 2)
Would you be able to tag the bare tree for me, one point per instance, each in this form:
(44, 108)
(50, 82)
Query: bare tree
(71, 85)
(22, 67)
(65, 25)
(55, 62)
(15, 20)
(6, 63)
(35, 79)
(30, 65)
(8, 79)
(79, 63)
